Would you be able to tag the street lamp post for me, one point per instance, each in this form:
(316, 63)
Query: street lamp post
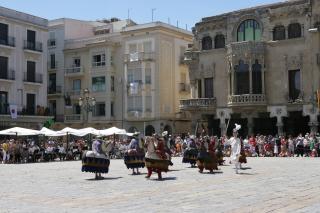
(87, 103)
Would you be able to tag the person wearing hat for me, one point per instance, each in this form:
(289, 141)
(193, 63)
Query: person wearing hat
(133, 149)
(235, 148)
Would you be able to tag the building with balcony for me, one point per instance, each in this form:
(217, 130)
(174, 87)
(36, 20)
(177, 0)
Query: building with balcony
(261, 67)
(23, 69)
(154, 78)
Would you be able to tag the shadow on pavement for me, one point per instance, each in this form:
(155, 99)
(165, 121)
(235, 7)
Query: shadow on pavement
(245, 173)
(214, 172)
(245, 168)
(165, 178)
(104, 178)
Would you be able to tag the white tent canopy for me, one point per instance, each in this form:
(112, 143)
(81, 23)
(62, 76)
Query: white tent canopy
(86, 131)
(50, 133)
(68, 130)
(18, 131)
(112, 131)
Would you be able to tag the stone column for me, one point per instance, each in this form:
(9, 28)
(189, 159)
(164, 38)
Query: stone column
(250, 125)
(280, 125)
(278, 112)
(312, 112)
(222, 115)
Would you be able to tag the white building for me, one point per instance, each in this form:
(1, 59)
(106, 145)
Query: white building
(23, 69)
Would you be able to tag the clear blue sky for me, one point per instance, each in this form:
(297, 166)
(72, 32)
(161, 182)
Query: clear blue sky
(184, 11)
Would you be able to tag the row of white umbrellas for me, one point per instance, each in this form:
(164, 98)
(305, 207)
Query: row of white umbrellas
(18, 131)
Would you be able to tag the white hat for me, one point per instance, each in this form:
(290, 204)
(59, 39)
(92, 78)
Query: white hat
(165, 133)
(237, 127)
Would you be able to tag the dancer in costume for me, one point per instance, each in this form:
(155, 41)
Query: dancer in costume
(191, 153)
(235, 147)
(134, 156)
(156, 159)
(207, 158)
(97, 161)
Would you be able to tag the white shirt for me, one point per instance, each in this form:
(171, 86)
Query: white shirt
(235, 148)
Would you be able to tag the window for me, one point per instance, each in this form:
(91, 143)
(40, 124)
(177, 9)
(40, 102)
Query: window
(242, 78)
(3, 34)
(99, 60)
(148, 104)
(294, 84)
(199, 88)
(31, 104)
(134, 73)
(279, 33)
(100, 109)
(148, 74)
(219, 41)
(76, 109)
(206, 43)
(135, 104)
(76, 62)
(98, 84)
(52, 40)
(294, 31)
(249, 30)
(3, 102)
(52, 61)
(256, 78)
(112, 83)
(3, 67)
(147, 47)
(52, 83)
(112, 109)
(31, 71)
(208, 87)
(76, 85)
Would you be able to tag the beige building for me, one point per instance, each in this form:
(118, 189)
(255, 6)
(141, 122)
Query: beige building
(258, 66)
(155, 78)
(23, 69)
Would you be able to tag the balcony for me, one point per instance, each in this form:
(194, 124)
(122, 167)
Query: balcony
(73, 118)
(247, 100)
(205, 104)
(73, 93)
(51, 43)
(34, 46)
(9, 42)
(55, 90)
(74, 71)
(139, 56)
(9, 75)
(52, 65)
(37, 78)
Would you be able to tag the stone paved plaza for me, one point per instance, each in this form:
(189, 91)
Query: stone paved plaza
(265, 185)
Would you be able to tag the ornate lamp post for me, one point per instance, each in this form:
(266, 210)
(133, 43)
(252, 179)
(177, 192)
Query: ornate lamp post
(87, 103)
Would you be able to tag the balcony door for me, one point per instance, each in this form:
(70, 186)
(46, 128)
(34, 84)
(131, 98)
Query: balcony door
(52, 82)
(3, 67)
(31, 71)
(3, 33)
(208, 87)
(31, 39)
(3, 102)
(31, 104)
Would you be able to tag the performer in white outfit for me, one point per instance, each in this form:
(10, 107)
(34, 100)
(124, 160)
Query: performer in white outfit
(235, 147)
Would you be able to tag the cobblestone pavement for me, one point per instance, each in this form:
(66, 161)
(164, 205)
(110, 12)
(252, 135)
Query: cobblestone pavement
(265, 185)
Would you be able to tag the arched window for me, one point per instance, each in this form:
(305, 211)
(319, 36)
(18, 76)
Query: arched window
(149, 131)
(256, 78)
(279, 33)
(249, 30)
(219, 41)
(206, 43)
(294, 31)
(242, 79)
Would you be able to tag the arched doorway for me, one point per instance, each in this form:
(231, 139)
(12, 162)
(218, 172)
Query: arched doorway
(149, 131)
(296, 123)
(133, 129)
(168, 128)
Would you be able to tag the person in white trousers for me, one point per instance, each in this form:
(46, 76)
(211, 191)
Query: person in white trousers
(235, 148)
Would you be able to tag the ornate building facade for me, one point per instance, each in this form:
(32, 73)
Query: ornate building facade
(258, 67)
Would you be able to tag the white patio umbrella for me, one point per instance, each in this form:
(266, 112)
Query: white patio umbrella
(50, 133)
(68, 130)
(18, 131)
(112, 131)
